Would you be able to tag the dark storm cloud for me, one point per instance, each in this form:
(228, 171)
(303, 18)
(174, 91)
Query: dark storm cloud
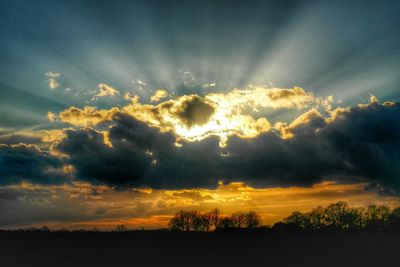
(139, 156)
(359, 144)
(16, 138)
(6, 194)
(95, 161)
(367, 140)
(195, 111)
(28, 163)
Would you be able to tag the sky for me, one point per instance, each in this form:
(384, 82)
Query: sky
(125, 112)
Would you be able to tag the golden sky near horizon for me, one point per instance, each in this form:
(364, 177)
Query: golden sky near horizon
(104, 208)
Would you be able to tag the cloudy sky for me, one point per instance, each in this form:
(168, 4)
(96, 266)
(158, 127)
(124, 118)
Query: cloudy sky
(125, 112)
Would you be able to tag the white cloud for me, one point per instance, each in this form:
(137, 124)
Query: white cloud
(53, 79)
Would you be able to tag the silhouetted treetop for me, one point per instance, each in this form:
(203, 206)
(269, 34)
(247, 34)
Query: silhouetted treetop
(340, 216)
(213, 220)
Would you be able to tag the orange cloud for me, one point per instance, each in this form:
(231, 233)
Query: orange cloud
(87, 116)
(105, 208)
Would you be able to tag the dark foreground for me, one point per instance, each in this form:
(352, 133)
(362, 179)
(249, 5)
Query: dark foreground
(163, 248)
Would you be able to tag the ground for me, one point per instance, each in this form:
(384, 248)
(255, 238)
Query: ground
(163, 248)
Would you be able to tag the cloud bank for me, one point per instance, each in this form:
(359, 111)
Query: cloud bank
(197, 141)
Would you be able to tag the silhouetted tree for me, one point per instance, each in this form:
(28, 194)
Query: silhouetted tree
(239, 219)
(252, 220)
(227, 222)
(316, 219)
(336, 215)
(355, 218)
(214, 218)
(186, 221)
(178, 221)
(378, 216)
(340, 216)
(297, 220)
(201, 223)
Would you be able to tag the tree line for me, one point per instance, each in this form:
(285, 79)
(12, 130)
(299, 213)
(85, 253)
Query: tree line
(340, 216)
(336, 216)
(213, 220)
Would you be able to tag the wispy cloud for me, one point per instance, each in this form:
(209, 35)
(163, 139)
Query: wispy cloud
(105, 90)
(53, 79)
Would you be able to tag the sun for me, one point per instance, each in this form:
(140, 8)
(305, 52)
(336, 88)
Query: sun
(223, 124)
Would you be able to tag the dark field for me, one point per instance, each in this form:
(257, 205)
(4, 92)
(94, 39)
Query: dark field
(163, 248)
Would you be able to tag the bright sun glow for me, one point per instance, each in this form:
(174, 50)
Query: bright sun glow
(194, 118)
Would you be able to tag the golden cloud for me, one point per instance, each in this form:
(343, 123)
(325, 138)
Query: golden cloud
(51, 136)
(88, 116)
(287, 131)
(41, 138)
(194, 118)
(51, 116)
(106, 90)
(158, 95)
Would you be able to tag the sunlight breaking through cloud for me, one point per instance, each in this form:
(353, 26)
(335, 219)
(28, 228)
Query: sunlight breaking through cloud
(194, 118)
